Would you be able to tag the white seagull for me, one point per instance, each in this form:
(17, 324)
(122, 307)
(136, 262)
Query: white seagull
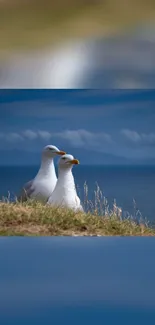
(64, 194)
(42, 186)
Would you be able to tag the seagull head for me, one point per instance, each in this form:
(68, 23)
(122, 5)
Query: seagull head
(67, 161)
(51, 151)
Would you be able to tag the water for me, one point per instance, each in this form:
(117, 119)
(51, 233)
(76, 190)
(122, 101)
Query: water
(77, 280)
(121, 183)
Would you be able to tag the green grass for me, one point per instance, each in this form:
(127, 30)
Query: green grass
(34, 219)
(37, 23)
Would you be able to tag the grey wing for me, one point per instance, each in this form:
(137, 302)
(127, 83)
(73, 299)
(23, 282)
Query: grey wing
(26, 191)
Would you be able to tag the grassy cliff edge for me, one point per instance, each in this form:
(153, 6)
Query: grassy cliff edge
(35, 219)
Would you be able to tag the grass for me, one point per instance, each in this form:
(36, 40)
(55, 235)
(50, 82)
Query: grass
(32, 218)
(37, 23)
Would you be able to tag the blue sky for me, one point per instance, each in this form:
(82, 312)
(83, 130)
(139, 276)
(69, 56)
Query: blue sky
(97, 126)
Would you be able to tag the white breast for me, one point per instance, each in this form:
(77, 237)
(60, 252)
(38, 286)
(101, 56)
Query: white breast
(64, 194)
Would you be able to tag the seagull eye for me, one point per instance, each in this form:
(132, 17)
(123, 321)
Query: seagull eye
(63, 158)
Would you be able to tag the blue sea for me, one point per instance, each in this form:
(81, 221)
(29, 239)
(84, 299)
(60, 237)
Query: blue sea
(126, 184)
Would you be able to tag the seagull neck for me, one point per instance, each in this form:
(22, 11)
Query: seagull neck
(66, 178)
(47, 167)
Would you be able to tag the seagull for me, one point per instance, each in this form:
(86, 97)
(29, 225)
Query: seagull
(42, 186)
(64, 194)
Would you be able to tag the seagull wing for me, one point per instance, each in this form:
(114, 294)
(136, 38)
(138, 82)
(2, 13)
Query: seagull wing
(26, 191)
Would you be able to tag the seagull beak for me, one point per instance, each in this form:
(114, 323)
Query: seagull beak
(75, 162)
(61, 153)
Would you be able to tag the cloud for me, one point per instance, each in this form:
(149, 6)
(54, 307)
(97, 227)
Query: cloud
(31, 135)
(131, 135)
(99, 142)
(27, 135)
(84, 138)
(45, 135)
(76, 138)
(139, 138)
(14, 137)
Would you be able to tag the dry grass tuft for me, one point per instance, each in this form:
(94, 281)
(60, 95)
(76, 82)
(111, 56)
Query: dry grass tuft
(34, 219)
